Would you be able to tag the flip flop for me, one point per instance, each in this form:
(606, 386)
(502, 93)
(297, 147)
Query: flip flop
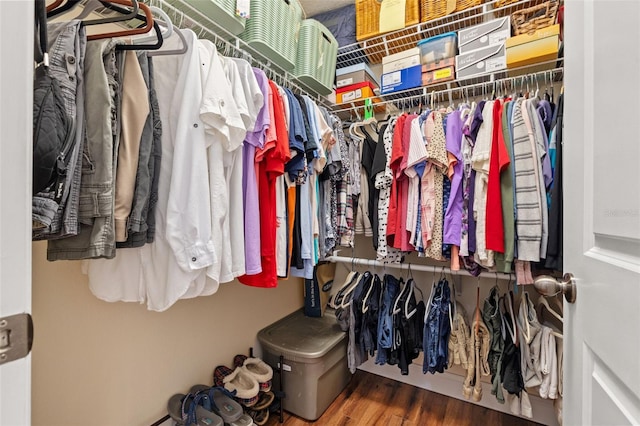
(257, 368)
(221, 402)
(187, 410)
(242, 384)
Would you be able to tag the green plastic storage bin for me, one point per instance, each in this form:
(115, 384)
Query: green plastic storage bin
(316, 58)
(222, 12)
(272, 30)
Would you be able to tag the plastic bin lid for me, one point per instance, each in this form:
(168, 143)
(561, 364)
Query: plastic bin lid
(303, 337)
(427, 40)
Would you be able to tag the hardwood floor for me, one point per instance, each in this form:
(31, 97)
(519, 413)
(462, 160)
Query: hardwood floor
(374, 400)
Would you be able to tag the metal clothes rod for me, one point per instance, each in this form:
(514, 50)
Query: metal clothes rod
(358, 261)
(531, 80)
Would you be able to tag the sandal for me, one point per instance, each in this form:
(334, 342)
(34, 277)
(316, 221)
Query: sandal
(260, 417)
(220, 401)
(188, 410)
(264, 401)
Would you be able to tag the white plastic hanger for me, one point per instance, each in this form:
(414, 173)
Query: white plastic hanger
(365, 300)
(165, 23)
(429, 301)
(339, 294)
(513, 327)
(395, 309)
(542, 304)
(347, 294)
(412, 285)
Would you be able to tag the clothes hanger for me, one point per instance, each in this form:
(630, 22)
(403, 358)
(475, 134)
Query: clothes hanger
(336, 300)
(355, 131)
(93, 5)
(453, 308)
(477, 311)
(365, 300)
(408, 314)
(164, 21)
(53, 5)
(346, 295)
(55, 10)
(542, 304)
(133, 31)
(511, 326)
(429, 301)
(179, 51)
(396, 309)
(159, 36)
(156, 46)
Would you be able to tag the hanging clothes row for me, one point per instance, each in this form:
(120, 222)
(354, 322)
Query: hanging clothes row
(479, 185)
(519, 348)
(193, 169)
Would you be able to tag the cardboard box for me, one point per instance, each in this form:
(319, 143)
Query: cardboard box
(355, 92)
(439, 76)
(355, 74)
(404, 79)
(444, 63)
(529, 49)
(481, 61)
(401, 60)
(486, 34)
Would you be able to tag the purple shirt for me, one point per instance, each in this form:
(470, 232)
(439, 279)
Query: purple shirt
(453, 214)
(253, 262)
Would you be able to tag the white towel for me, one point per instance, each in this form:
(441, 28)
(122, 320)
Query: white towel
(548, 365)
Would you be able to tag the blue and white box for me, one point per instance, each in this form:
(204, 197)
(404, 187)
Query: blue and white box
(404, 79)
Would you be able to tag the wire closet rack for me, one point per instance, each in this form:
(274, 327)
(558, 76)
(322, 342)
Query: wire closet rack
(374, 49)
(541, 80)
(184, 15)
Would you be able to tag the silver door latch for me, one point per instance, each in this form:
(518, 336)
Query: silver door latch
(16, 337)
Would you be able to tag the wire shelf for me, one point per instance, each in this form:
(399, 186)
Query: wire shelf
(184, 15)
(461, 89)
(374, 49)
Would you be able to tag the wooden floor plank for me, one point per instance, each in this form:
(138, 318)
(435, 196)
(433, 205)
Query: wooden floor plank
(374, 400)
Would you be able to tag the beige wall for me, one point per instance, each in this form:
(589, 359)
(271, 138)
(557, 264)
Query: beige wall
(116, 364)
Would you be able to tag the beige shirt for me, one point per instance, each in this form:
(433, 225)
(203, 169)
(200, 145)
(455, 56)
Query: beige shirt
(135, 109)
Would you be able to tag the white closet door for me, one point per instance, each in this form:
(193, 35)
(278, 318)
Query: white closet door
(16, 71)
(602, 212)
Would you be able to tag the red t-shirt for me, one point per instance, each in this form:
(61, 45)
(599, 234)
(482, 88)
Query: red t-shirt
(397, 153)
(497, 163)
(270, 166)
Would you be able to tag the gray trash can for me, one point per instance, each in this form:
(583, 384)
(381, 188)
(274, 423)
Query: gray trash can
(315, 366)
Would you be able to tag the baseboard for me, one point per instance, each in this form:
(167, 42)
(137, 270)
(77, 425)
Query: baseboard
(450, 384)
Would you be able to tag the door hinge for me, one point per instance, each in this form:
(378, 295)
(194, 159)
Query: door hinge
(16, 337)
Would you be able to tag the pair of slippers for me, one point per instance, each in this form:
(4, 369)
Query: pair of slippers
(189, 409)
(207, 406)
(250, 381)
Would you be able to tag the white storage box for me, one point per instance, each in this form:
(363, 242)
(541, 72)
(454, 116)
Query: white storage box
(481, 61)
(486, 34)
(353, 74)
(315, 368)
(401, 60)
